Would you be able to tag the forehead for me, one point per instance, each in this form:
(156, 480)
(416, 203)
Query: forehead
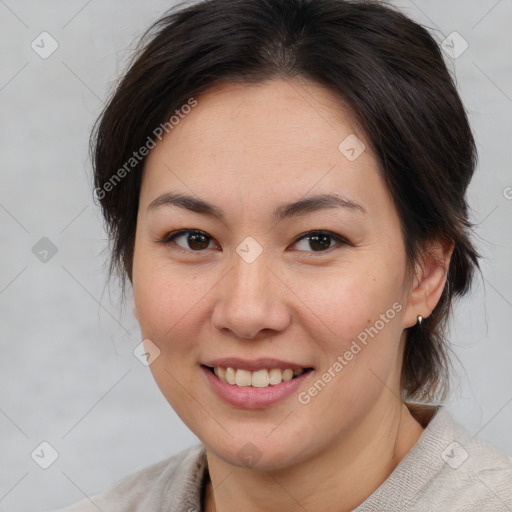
(278, 137)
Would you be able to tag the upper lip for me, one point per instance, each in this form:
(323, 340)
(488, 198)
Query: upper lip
(254, 364)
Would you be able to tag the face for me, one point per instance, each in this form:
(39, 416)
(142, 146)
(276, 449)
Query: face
(247, 283)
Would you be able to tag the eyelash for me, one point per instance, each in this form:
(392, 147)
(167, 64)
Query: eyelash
(169, 239)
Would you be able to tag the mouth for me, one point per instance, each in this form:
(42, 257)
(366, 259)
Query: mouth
(261, 378)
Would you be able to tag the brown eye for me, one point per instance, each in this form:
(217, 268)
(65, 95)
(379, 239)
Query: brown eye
(320, 241)
(191, 240)
(197, 241)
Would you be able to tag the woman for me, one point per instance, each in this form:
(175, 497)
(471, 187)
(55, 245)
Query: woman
(284, 186)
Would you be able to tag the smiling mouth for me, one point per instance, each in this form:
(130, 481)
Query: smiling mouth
(256, 379)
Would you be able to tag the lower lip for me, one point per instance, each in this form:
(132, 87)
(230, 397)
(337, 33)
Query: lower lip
(249, 397)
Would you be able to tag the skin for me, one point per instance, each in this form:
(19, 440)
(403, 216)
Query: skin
(248, 149)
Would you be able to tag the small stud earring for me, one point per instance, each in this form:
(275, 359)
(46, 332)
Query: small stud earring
(420, 319)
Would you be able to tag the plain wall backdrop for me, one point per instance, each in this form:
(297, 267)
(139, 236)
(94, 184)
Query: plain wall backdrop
(68, 375)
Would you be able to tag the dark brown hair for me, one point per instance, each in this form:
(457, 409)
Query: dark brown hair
(385, 67)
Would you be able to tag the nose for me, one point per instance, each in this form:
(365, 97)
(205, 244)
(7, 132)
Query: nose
(251, 299)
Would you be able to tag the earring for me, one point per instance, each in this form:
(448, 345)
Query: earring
(420, 319)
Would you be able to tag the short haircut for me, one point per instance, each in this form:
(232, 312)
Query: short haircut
(387, 69)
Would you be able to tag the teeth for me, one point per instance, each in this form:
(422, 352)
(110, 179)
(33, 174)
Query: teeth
(220, 372)
(288, 374)
(257, 379)
(243, 378)
(275, 376)
(230, 375)
(260, 379)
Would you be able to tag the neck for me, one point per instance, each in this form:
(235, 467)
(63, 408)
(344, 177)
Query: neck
(338, 479)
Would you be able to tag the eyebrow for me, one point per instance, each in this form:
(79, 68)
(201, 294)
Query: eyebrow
(297, 208)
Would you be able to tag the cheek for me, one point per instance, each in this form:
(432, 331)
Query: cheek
(351, 302)
(159, 300)
(360, 349)
(364, 310)
(168, 302)
(162, 303)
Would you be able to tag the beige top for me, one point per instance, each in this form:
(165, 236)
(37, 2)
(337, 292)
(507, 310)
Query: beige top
(446, 470)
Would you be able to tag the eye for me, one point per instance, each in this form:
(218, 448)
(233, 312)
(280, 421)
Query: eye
(320, 241)
(194, 240)
(191, 239)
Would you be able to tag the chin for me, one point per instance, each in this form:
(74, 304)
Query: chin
(260, 451)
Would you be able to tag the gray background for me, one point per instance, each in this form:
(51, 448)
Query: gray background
(68, 375)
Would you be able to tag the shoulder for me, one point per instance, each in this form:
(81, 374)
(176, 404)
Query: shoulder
(448, 469)
(472, 473)
(175, 480)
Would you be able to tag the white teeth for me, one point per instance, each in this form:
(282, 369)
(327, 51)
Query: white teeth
(275, 376)
(260, 379)
(243, 378)
(256, 379)
(288, 374)
(230, 375)
(220, 372)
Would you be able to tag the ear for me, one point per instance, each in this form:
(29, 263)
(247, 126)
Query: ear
(428, 281)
